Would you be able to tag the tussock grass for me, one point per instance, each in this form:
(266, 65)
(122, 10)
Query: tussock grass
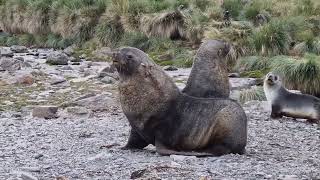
(254, 93)
(109, 31)
(301, 74)
(271, 39)
(253, 63)
(165, 25)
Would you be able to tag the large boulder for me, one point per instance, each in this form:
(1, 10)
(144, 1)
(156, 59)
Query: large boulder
(57, 58)
(18, 49)
(10, 64)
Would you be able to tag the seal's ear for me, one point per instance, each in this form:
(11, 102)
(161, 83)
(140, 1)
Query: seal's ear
(147, 69)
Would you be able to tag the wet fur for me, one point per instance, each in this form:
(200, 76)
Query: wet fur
(285, 103)
(209, 74)
(177, 123)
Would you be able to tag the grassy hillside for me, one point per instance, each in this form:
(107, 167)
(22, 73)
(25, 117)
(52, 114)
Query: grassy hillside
(278, 35)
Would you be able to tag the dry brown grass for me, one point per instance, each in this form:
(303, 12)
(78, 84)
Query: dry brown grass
(165, 25)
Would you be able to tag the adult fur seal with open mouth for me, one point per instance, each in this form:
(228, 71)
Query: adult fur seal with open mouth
(209, 74)
(174, 122)
(285, 103)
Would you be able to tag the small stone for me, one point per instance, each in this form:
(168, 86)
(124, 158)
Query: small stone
(108, 80)
(26, 79)
(66, 68)
(57, 80)
(38, 156)
(181, 157)
(100, 156)
(288, 177)
(47, 112)
(170, 68)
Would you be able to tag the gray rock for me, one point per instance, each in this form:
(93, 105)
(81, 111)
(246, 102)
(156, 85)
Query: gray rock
(108, 80)
(5, 52)
(181, 158)
(57, 80)
(66, 68)
(25, 175)
(69, 50)
(47, 112)
(100, 156)
(19, 49)
(170, 68)
(57, 58)
(10, 64)
(19, 58)
(106, 71)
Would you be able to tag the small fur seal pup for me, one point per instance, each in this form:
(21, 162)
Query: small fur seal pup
(209, 74)
(174, 122)
(285, 103)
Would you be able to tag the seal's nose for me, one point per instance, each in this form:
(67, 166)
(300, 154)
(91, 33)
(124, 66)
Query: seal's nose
(270, 78)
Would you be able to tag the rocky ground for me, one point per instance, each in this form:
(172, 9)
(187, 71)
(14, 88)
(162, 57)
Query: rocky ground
(60, 119)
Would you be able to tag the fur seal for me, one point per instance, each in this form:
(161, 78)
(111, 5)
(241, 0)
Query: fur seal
(209, 74)
(285, 103)
(174, 122)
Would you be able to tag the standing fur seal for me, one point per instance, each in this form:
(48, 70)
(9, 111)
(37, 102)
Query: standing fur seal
(285, 103)
(209, 74)
(174, 122)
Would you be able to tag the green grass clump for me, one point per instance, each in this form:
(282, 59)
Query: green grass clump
(26, 40)
(12, 40)
(253, 63)
(271, 39)
(301, 74)
(253, 74)
(110, 32)
(3, 39)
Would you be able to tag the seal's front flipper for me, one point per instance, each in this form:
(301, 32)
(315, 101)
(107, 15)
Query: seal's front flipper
(135, 141)
(162, 150)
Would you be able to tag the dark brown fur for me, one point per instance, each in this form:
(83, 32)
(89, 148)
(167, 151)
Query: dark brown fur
(209, 74)
(174, 122)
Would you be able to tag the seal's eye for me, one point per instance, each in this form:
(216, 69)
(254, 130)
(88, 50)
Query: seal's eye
(129, 57)
(275, 78)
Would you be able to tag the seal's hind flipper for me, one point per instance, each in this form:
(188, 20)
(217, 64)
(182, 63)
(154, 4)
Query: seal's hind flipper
(162, 150)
